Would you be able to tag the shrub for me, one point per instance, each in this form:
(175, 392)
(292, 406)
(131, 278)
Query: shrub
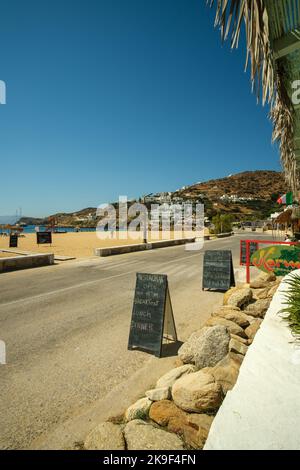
(291, 312)
(222, 223)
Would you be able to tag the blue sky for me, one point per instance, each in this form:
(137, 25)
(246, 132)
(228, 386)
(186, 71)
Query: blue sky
(109, 97)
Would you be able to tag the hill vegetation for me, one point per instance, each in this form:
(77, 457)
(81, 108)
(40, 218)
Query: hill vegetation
(250, 195)
(246, 196)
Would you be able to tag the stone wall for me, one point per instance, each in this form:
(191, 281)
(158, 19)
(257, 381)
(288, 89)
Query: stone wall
(262, 411)
(179, 411)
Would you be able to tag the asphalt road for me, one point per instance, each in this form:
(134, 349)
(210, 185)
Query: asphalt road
(66, 331)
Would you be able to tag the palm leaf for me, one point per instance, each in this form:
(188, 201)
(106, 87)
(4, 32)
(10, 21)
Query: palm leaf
(266, 77)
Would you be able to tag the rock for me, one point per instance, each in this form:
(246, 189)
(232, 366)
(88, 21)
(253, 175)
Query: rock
(263, 304)
(158, 394)
(228, 294)
(251, 319)
(197, 392)
(260, 293)
(223, 308)
(263, 280)
(253, 328)
(139, 410)
(227, 371)
(272, 291)
(106, 436)
(186, 351)
(177, 425)
(238, 347)
(240, 298)
(206, 347)
(268, 277)
(178, 362)
(193, 438)
(258, 284)
(242, 340)
(232, 327)
(194, 428)
(143, 436)
(163, 411)
(237, 317)
(170, 377)
(258, 308)
(200, 420)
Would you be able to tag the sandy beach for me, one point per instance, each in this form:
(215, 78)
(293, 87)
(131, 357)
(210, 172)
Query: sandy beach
(77, 244)
(4, 254)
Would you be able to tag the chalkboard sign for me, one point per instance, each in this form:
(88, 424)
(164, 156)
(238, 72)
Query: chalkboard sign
(13, 241)
(152, 314)
(43, 238)
(218, 270)
(253, 248)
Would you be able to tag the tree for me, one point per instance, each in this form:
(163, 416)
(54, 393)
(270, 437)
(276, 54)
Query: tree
(222, 223)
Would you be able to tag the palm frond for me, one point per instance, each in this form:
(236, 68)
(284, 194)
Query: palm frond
(282, 115)
(229, 17)
(266, 77)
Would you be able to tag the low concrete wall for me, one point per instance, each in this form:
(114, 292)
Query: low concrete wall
(27, 261)
(262, 411)
(119, 250)
(165, 243)
(223, 235)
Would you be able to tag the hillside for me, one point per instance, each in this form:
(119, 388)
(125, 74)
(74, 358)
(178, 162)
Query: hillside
(261, 184)
(84, 217)
(247, 195)
(30, 221)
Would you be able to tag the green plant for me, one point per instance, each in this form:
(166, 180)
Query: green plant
(292, 301)
(222, 223)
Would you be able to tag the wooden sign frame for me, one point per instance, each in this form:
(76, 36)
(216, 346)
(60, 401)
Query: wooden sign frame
(164, 321)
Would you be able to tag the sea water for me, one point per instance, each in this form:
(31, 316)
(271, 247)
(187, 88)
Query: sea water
(31, 229)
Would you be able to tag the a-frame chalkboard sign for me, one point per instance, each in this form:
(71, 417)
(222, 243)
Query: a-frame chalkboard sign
(253, 247)
(218, 270)
(13, 241)
(43, 238)
(152, 315)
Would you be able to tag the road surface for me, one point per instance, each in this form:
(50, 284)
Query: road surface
(66, 331)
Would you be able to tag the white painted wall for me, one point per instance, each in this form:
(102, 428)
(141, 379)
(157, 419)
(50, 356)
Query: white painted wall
(263, 409)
